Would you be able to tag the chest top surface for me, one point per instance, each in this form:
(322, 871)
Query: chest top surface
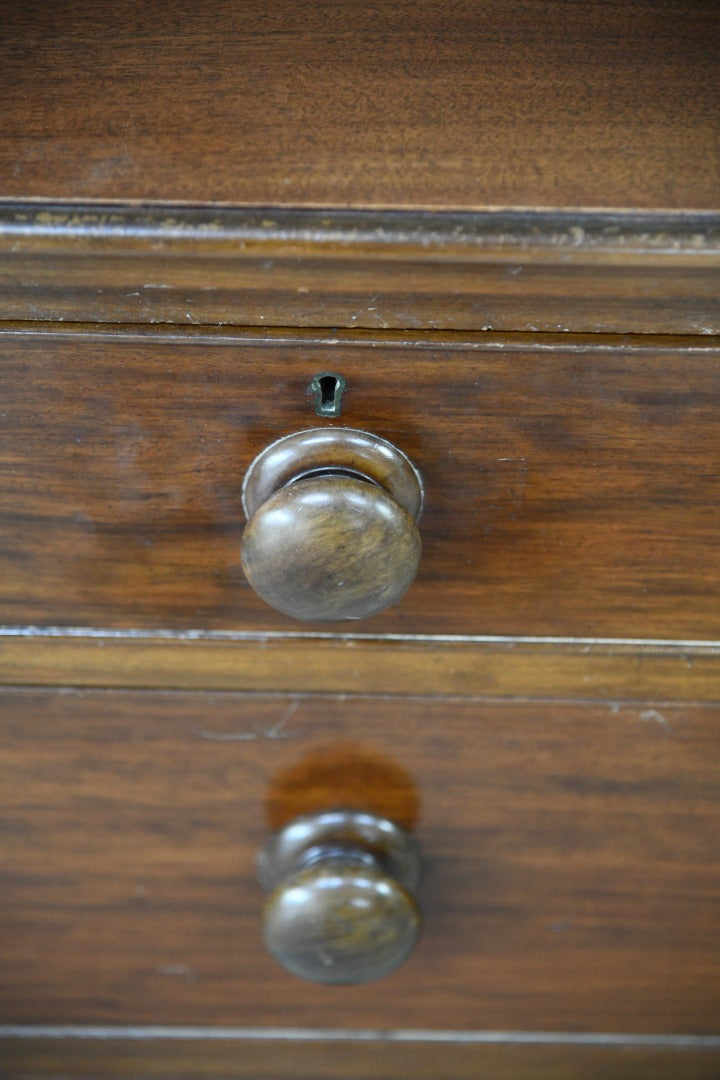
(425, 105)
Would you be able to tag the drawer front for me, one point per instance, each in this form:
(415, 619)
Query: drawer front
(572, 488)
(571, 859)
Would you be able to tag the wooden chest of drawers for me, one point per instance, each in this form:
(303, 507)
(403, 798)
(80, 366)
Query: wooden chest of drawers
(499, 225)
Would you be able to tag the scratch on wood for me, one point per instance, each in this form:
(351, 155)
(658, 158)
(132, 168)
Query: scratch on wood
(275, 731)
(278, 731)
(657, 717)
(180, 971)
(225, 736)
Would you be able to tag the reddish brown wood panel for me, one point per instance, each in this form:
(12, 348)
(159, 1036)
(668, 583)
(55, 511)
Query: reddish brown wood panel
(353, 663)
(393, 104)
(529, 271)
(570, 490)
(245, 1059)
(571, 859)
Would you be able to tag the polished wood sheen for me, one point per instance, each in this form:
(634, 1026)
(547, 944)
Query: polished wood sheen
(571, 859)
(331, 532)
(331, 549)
(332, 451)
(340, 909)
(313, 928)
(572, 488)
(425, 104)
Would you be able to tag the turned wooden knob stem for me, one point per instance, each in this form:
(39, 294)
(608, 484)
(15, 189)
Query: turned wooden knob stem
(341, 908)
(331, 531)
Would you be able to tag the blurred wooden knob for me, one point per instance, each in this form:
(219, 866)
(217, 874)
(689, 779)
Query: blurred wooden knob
(340, 908)
(331, 531)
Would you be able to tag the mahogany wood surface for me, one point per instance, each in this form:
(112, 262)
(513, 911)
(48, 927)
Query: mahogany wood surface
(571, 490)
(475, 185)
(571, 859)
(322, 1059)
(526, 271)
(587, 670)
(454, 104)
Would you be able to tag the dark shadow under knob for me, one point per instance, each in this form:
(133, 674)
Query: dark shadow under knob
(331, 531)
(341, 908)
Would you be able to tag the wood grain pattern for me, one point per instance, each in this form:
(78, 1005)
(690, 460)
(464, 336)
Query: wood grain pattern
(340, 908)
(514, 668)
(420, 104)
(535, 166)
(331, 549)
(570, 493)
(269, 1059)
(527, 271)
(571, 858)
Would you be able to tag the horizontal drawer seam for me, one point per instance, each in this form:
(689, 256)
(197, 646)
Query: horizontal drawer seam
(234, 1034)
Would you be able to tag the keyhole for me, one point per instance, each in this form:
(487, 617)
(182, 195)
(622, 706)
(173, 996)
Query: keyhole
(328, 390)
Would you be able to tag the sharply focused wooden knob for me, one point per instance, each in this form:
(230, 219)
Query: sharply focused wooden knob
(331, 531)
(341, 908)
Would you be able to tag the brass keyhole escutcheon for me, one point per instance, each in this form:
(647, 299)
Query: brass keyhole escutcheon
(328, 388)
